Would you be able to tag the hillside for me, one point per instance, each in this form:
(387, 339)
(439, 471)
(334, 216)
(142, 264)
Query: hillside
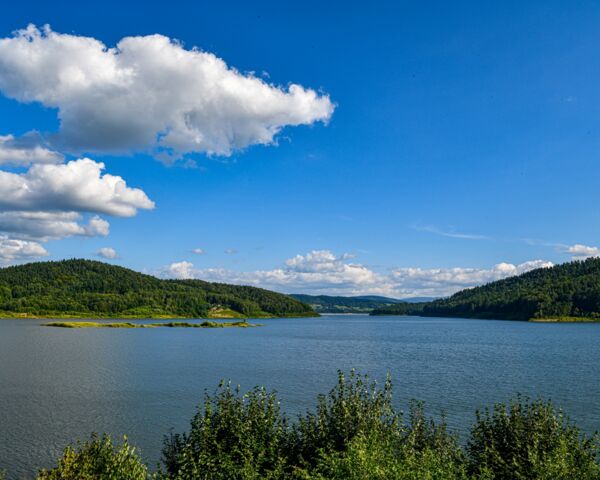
(570, 291)
(332, 304)
(84, 288)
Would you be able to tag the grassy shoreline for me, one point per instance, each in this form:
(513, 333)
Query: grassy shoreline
(566, 320)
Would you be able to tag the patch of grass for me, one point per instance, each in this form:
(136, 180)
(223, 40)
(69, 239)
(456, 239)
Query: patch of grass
(566, 320)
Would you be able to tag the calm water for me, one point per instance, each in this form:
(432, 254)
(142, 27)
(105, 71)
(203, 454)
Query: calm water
(57, 385)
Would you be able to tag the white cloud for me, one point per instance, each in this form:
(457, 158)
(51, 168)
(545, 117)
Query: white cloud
(449, 233)
(108, 253)
(581, 252)
(149, 93)
(11, 249)
(322, 272)
(44, 226)
(78, 185)
(180, 270)
(26, 150)
(198, 251)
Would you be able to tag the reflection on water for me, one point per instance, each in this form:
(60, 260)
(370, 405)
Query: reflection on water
(57, 385)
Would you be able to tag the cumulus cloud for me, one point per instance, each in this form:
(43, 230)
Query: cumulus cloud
(108, 253)
(198, 251)
(11, 249)
(323, 272)
(26, 150)
(149, 93)
(44, 226)
(54, 201)
(581, 252)
(180, 270)
(78, 185)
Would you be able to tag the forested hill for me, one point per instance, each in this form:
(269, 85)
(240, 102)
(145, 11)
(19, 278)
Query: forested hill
(567, 290)
(332, 304)
(84, 288)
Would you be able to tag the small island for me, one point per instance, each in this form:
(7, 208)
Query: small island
(205, 324)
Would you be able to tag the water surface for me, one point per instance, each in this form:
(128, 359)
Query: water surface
(57, 385)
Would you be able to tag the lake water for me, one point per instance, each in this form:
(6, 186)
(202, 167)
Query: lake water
(58, 385)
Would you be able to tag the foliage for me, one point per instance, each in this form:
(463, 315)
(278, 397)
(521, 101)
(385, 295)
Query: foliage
(354, 433)
(97, 459)
(527, 440)
(84, 288)
(233, 436)
(330, 304)
(568, 290)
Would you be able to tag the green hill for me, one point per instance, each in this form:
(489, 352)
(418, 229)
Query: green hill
(84, 288)
(569, 292)
(331, 304)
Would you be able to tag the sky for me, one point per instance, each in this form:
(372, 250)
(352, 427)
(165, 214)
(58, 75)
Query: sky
(392, 148)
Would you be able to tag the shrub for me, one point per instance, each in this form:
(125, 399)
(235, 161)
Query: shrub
(233, 436)
(97, 459)
(530, 440)
(354, 406)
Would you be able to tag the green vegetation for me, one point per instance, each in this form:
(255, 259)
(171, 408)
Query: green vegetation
(354, 433)
(89, 289)
(567, 292)
(328, 304)
(240, 324)
(97, 459)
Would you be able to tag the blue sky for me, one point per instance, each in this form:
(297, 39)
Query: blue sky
(461, 144)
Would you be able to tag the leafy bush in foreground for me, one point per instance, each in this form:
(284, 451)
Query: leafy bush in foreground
(354, 434)
(530, 440)
(97, 459)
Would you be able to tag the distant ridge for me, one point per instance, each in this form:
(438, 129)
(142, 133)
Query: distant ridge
(566, 292)
(339, 304)
(91, 289)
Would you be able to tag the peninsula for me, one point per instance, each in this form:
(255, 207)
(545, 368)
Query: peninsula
(569, 292)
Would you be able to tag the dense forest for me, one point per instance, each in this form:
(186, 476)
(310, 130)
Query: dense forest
(567, 291)
(84, 288)
(330, 304)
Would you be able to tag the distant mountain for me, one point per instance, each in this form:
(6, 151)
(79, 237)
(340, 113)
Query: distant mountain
(84, 288)
(331, 304)
(376, 298)
(419, 299)
(570, 291)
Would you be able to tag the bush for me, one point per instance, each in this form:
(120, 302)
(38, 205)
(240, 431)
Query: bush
(354, 434)
(233, 436)
(97, 459)
(530, 440)
(355, 406)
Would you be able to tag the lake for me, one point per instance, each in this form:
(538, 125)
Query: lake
(58, 385)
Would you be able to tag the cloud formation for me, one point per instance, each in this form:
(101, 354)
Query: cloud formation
(108, 253)
(149, 93)
(78, 185)
(323, 272)
(45, 226)
(54, 201)
(11, 249)
(26, 150)
(581, 252)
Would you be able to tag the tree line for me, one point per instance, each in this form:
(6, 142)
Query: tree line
(96, 289)
(567, 290)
